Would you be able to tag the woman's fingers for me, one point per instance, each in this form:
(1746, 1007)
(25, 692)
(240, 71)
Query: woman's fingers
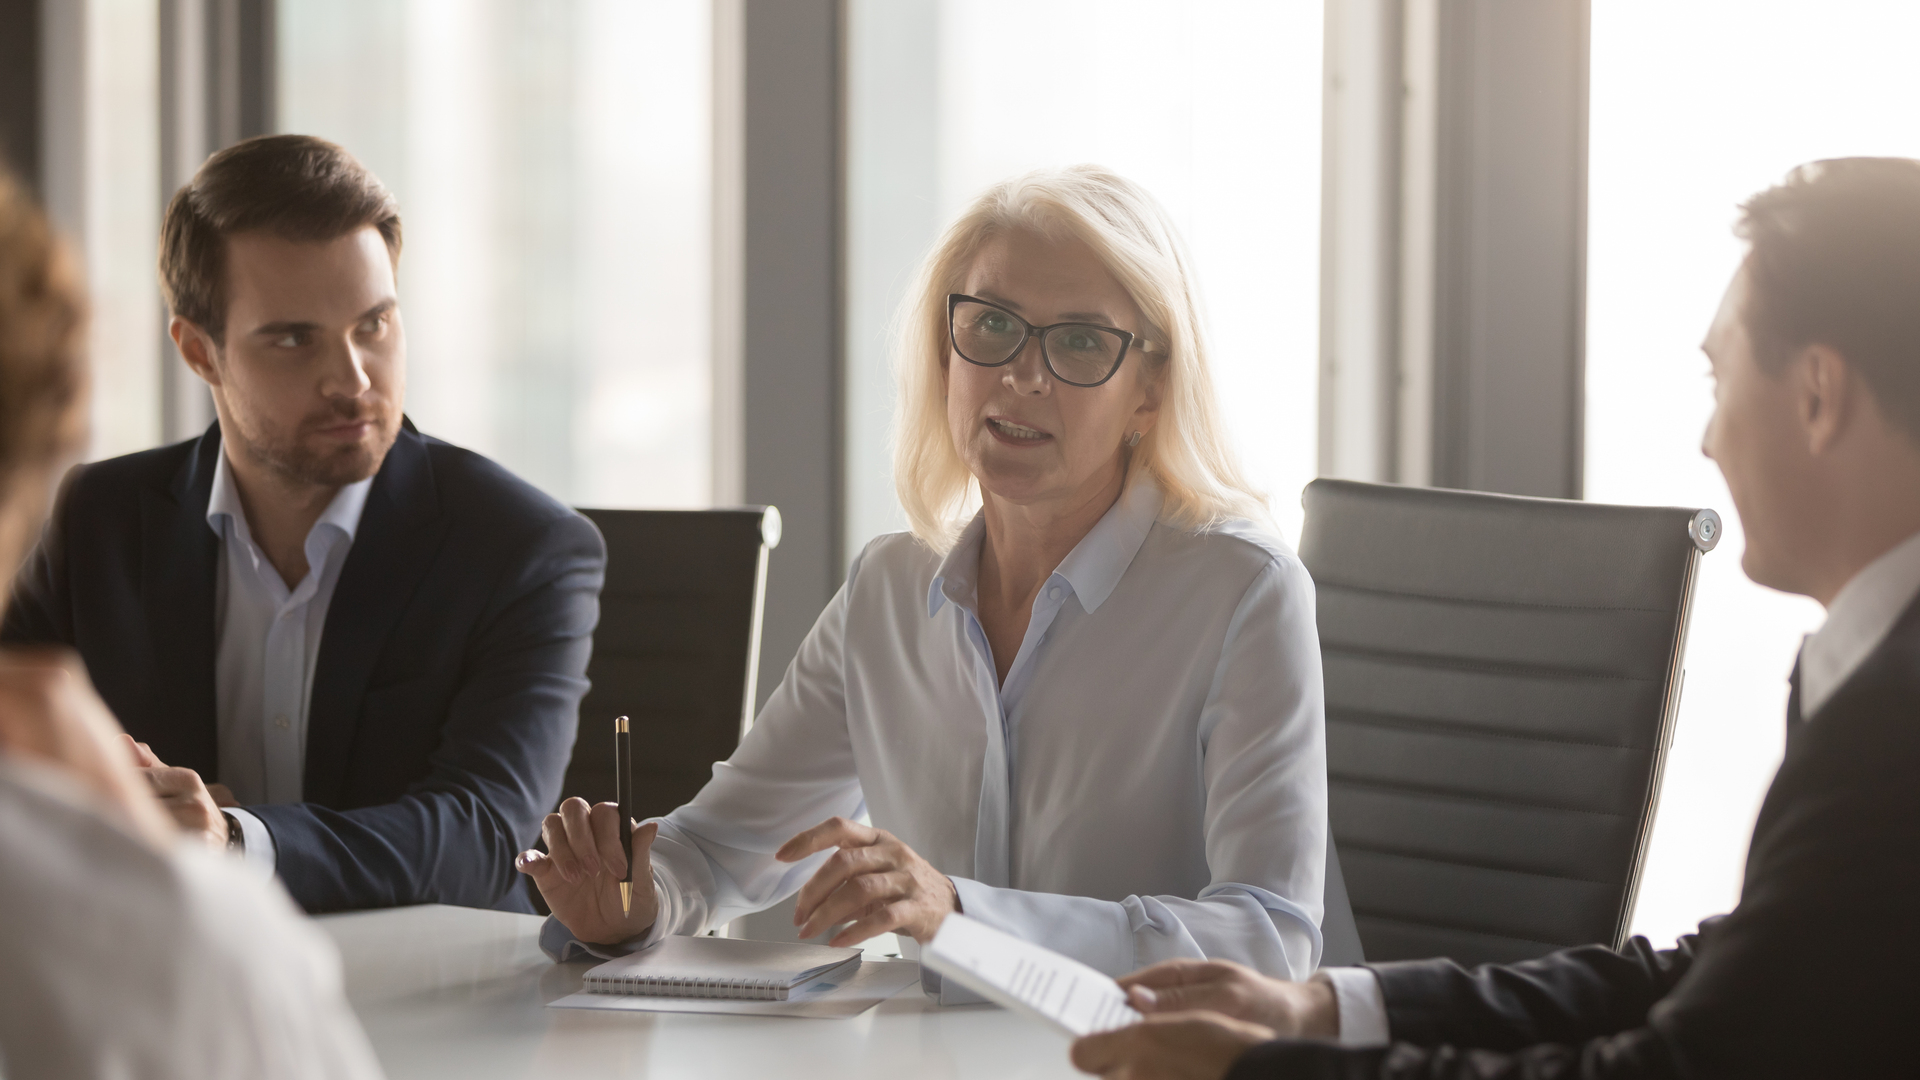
(604, 824)
(559, 849)
(847, 863)
(833, 832)
(855, 897)
(574, 815)
(886, 919)
(537, 865)
(643, 838)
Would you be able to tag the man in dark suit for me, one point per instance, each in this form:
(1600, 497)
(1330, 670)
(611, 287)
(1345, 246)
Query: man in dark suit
(1816, 362)
(373, 642)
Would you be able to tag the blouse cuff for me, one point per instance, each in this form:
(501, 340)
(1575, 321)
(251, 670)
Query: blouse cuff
(561, 946)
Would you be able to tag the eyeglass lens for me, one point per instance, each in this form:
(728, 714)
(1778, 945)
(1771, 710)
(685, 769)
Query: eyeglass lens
(1083, 355)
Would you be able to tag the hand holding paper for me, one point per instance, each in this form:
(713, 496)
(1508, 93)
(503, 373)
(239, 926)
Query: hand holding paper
(1053, 989)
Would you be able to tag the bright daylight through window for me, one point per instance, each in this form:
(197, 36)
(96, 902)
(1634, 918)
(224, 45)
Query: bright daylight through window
(554, 184)
(1214, 107)
(1695, 107)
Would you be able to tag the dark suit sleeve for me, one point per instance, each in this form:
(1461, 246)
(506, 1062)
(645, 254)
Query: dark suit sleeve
(39, 612)
(497, 771)
(1575, 1013)
(1569, 996)
(1631, 1055)
(1811, 976)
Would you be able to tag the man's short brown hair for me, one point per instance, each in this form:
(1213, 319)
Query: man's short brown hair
(295, 187)
(43, 315)
(1835, 261)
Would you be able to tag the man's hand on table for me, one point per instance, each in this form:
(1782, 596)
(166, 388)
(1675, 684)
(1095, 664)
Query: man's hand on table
(875, 881)
(183, 794)
(50, 714)
(1169, 1046)
(580, 872)
(1300, 1010)
(1200, 1016)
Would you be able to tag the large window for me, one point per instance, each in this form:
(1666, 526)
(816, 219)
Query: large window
(553, 164)
(1694, 107)
(1214, 106)
(102, 188)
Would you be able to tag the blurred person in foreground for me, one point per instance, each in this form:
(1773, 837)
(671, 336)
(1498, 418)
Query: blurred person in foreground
(124, 949)
(351, 652)
(1816, 363)
(1080, 700)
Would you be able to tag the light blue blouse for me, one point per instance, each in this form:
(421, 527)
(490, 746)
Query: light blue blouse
(1149, 783)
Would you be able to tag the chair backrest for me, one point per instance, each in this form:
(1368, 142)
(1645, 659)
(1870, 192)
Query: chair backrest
(1502, 675)
(676, 650)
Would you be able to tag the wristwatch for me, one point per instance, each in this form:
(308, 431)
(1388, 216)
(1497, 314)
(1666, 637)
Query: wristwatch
(236, 836)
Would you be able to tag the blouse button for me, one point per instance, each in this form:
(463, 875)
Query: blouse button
(1053, 593)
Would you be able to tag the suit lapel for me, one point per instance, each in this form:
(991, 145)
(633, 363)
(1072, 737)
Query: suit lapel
(400, 532)
(179, 558)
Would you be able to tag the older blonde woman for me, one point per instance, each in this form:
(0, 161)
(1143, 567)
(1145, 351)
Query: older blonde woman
(1087, 712)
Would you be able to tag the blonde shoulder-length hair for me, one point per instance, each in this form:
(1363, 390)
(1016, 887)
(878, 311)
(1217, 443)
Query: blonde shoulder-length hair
(1130, 232)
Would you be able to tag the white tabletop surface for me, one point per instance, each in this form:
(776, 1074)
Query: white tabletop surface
(457, 992)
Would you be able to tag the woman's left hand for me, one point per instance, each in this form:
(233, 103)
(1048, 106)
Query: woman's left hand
(874, 880)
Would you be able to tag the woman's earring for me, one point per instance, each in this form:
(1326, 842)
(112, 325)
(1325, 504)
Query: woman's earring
(1133, 439)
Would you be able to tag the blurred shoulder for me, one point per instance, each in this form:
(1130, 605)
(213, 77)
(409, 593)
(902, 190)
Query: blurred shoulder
(1231, 551)
(117, 483)
(894, 555)
(480, 494)
(212, 972)
(896, 567)
(471, 483)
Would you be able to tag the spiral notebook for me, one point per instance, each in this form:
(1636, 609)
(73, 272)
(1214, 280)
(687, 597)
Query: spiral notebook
(715, 967)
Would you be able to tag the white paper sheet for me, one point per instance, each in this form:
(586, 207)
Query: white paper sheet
(1060, 992)
(873, 982)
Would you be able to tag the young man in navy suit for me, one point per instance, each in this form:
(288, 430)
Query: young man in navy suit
(351, 652)
(1816, 364)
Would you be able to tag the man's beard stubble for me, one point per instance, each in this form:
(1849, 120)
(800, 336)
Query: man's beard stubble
(292, 457)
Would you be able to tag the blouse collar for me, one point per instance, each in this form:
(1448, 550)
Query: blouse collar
(1092, 569)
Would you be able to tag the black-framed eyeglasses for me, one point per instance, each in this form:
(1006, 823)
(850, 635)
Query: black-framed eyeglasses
(1078, 354)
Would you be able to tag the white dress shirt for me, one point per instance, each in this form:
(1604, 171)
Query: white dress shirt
(118, 961)
(1858, 620)
(1862, 613)
(1149, 783)
(267, 638)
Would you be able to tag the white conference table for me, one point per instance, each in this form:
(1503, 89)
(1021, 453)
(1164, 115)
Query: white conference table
(457, 992)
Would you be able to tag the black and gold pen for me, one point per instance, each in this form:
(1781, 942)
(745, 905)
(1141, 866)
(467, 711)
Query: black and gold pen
(623, 786)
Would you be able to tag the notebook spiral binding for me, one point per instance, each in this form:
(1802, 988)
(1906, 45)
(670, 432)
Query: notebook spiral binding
(687, 986)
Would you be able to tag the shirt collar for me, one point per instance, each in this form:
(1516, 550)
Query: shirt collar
(1859, 618)
(343, 513)
(1093, 568)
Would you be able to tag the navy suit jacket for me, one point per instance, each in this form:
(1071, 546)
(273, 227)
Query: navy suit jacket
(1811, 976)
(446, 692)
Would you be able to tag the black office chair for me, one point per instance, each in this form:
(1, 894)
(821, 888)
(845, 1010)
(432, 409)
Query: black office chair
(1502, 675)
(677, 649)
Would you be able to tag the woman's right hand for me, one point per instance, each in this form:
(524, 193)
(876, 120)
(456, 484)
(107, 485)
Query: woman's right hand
(580, 872)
